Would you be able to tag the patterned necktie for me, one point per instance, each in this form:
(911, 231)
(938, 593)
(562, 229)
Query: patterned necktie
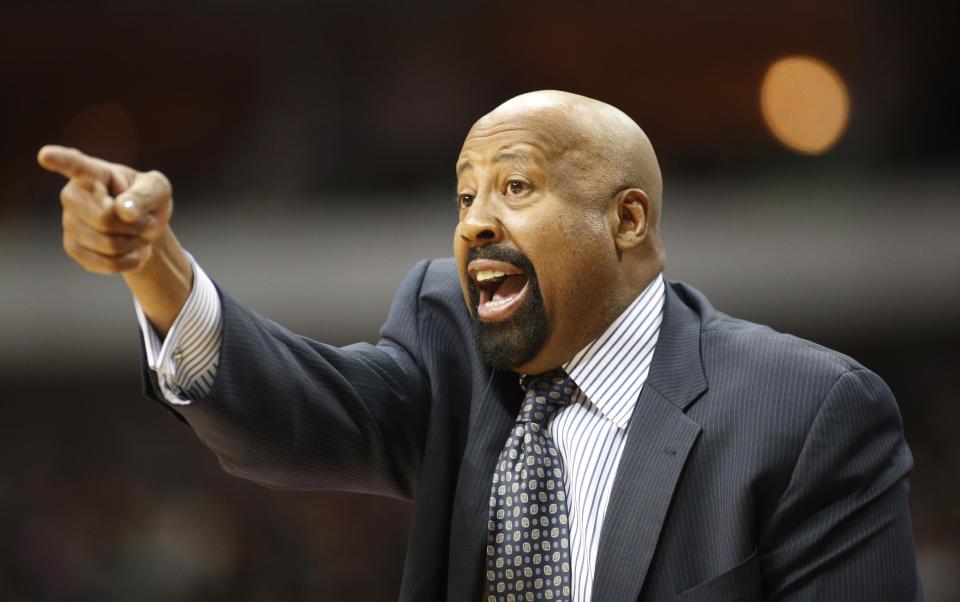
(528, 542)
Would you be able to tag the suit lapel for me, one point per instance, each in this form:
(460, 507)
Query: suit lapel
(489, 427)
(659, 440)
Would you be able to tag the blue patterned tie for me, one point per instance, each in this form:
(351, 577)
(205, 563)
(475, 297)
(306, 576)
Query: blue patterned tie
(528, 543)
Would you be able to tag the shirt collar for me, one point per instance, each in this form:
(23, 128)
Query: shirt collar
(612, 368)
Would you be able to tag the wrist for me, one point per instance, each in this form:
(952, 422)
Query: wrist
(162, 282)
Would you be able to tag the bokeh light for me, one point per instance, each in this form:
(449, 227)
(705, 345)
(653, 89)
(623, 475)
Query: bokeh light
(103, 130)
(805, 104)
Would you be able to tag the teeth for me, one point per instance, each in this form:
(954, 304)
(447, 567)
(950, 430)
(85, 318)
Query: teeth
(484, 275)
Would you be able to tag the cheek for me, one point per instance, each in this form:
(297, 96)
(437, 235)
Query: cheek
(575, 267)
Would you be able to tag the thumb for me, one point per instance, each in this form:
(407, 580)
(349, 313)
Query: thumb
(147, 200)
(129, 208)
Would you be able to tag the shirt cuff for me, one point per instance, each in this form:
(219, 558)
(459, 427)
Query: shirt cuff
(186, 361)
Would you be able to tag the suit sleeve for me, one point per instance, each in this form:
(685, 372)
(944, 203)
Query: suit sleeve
(842, 530)
(291, 413)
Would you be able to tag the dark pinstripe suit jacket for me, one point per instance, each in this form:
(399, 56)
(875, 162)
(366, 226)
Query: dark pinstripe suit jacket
(757, 466)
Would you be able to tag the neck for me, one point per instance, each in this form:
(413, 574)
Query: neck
(569, 337)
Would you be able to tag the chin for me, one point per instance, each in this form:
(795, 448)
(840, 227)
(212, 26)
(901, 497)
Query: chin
(514, 342)
(501, 348)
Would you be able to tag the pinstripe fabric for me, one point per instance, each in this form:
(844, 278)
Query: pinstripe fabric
(186, 361)
(590, 432)
(756, 466)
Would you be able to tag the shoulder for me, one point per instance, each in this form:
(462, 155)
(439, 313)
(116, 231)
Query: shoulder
(430, 300)
(438, 286)
(431, 279)
(738, 353)
(771, 385)
(772, 395)
(441, 274)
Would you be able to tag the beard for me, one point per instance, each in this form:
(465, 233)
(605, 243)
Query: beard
(515, 341)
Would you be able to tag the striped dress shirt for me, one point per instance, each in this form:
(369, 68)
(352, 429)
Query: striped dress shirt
(186, 361)
(589, 433)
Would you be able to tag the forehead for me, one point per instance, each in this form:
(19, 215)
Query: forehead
(494, 152)
(528, 138)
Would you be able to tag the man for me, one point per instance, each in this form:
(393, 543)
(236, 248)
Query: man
(654, 449)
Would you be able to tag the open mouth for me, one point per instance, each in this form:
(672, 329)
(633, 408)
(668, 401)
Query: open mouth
(502, 287)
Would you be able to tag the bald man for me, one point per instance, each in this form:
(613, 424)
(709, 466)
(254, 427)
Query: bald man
(569, 424)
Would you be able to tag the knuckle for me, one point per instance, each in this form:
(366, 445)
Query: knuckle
(69, 221)
(103, 218)
(116, 245)
(121, 263)
(156, 225)
(161, 181)
(159, 177)
(107, 244)
(119, 174)
(104, 265)
(132, 261)
(72, 249)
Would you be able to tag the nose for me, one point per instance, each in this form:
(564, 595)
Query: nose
(479, 227)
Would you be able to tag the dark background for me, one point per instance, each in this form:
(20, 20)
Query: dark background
(311, 147)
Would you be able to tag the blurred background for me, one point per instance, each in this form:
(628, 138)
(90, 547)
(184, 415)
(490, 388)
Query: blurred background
(812, 182)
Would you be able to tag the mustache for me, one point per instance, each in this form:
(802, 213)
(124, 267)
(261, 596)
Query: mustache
(503, 253)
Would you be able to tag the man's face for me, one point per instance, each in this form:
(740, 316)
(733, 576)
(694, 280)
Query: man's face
(532, 254)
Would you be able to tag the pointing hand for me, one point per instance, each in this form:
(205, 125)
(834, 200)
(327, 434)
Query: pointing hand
(112, 214)
(116, 220)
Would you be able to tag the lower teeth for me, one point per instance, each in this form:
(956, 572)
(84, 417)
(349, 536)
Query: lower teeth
(498, 303)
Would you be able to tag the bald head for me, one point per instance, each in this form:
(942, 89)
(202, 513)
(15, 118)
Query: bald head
(599, 148)
(560, 194)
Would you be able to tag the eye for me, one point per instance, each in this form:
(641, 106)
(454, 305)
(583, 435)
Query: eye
(517, 187)
(464, 200)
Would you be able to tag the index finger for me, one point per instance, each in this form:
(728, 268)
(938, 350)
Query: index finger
(73, 164)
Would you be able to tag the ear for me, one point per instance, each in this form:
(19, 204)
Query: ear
(632, 208)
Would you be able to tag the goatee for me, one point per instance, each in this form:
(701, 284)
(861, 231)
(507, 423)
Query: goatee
(516, 340)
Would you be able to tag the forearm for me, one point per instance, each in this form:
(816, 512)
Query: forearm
(292, 413)
(163, 283)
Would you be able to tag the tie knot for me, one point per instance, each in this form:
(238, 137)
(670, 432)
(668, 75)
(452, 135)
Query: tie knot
(546, 393)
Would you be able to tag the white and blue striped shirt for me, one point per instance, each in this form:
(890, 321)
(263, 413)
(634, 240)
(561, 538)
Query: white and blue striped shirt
(186, 361)
(589, 432)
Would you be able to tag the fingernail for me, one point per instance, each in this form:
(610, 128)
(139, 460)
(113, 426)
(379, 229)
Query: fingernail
(128, 204)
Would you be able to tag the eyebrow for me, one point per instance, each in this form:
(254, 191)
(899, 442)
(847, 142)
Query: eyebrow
(498, 158)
